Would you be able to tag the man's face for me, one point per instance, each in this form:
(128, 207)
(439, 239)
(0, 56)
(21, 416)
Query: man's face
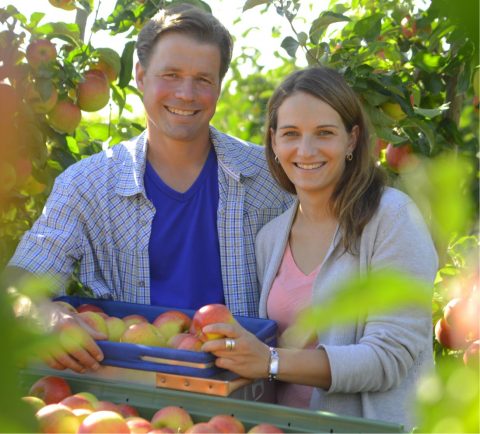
(180, 86)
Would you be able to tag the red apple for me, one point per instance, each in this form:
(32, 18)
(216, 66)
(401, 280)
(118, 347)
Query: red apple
(172, 417)
(447, 337)
(471, 356)
(109, 62)
(39, 104)
(34, 401)
(185, 341)
(95, 321)
(65, 116)
(50, 389)
(116, 327)
(202, 427)
(409, 27)
(89, 396)
(77, 402)
(56, 418)
(68, 5)
(127, 410)
(40, 52)
(210, 314)
(225, 423)
(265, 428)
(81, 413)
(138, 425)
(23, 169)
(463, 316)
(143, 333)
(171, 323)
(400, 158)
(87, 307)
(134, 319)
(106, 406)
(93, 93)
(162, 431)
(104, 422)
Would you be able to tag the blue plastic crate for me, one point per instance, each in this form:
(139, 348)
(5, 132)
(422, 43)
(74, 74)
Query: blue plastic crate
(166, 360)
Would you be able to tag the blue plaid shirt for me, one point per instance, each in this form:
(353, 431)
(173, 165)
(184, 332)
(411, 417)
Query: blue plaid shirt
(98, 215)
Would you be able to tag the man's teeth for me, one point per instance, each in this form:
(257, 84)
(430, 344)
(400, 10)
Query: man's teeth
(309, 166)
(181, 112)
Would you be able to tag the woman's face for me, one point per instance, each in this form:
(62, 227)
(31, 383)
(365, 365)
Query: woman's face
(311, 143)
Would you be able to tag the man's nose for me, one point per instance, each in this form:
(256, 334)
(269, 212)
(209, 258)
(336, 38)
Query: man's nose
(185, 89)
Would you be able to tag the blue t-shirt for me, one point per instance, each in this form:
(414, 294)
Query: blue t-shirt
(184, 251)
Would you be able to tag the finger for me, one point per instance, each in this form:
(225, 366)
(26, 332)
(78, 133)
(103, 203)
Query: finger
(52, 363)
(228, 330)
(69, 362)
(87, 358)
(216, 346)
(97, 335)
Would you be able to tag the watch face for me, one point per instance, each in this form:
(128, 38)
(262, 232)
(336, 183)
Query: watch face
(273, 365)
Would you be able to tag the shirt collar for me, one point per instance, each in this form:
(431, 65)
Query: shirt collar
(236, 157)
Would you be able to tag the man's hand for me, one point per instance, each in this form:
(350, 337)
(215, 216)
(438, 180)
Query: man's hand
(77, 349)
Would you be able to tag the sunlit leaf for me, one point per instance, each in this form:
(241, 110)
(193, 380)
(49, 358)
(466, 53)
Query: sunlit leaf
(320, 25)
(290, 45)
(249, 4)
(127, 64)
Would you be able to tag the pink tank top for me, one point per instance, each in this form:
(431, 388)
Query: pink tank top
(291, 292)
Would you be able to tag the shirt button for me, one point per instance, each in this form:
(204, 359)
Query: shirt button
(141, 283)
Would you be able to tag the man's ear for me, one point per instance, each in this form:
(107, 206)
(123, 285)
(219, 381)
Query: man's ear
(139, 76)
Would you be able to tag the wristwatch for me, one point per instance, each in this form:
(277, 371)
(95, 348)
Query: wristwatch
(273, 365)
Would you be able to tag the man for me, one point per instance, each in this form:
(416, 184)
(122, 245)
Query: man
(170, 217)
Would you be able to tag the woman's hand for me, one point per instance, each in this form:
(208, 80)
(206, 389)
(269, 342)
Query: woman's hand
(247, 356)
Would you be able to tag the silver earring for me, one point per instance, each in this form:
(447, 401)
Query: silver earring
(276, 160)
(349, 156)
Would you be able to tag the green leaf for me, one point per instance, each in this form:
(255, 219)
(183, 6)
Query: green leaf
(428, 62)
(58, 30)
(319, 25)
(35, 18)
(72, 145)
(127, 64)
(290, 45)
(370, 27)
(99, 131)
(431, 113)
(249, 4)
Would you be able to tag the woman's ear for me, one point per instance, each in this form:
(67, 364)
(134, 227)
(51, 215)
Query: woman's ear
(354, 134)
(272, 138)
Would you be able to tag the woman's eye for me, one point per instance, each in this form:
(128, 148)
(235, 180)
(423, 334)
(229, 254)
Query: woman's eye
(289, 134)
(324, 133)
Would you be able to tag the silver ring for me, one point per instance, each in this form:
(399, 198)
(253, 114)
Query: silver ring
(230, 344)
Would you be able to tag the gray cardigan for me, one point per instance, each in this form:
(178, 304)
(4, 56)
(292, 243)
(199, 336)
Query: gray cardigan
(375, 362)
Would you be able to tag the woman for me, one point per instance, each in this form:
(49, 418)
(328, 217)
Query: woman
(344, 223)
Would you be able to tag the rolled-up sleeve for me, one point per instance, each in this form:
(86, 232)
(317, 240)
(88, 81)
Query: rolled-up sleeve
(54, 243)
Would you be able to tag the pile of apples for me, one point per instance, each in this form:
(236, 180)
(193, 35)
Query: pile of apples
(57, 410)
(458, 329)
(171, 329)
